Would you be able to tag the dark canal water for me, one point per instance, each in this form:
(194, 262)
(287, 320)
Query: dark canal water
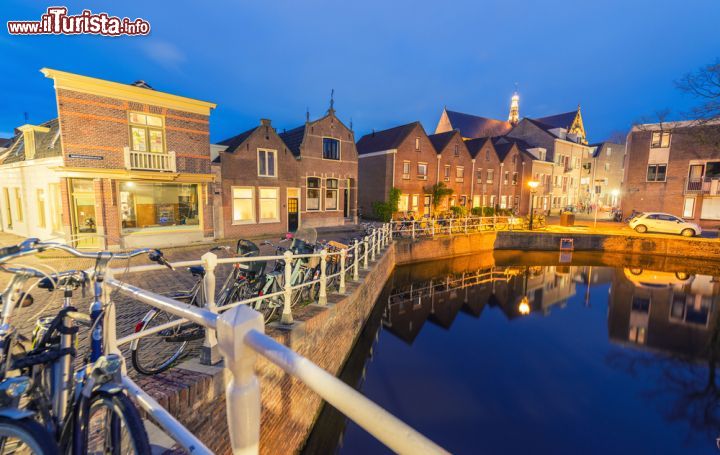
(517, 353)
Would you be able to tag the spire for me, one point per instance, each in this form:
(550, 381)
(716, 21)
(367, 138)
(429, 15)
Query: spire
(307, 114)
(332, 102)
(514, 116)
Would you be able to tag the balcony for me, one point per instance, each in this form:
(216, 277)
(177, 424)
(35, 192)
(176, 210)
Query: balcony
(706, 186)
(150, 161)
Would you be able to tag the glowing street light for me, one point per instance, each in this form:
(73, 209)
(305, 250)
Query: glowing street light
(524, 307)
(533, 184)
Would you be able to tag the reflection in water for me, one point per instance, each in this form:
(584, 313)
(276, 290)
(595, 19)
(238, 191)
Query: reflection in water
(547, 356)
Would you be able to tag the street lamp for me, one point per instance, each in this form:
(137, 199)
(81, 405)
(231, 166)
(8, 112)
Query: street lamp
(524, 306)
(533, 184)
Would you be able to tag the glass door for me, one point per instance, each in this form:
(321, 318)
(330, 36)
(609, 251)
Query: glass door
(84, 220)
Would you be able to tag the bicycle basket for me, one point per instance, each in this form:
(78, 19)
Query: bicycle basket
(246, 248)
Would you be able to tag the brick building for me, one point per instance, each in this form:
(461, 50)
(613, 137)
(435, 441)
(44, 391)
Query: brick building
(455, 167)
(557, 139)
(668, 168)
(122, 166)
(275, 183)
(603, 173)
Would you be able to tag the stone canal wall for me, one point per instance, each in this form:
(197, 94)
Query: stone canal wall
(326, 334)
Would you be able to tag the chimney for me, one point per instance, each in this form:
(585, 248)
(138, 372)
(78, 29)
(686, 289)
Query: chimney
(265, 122)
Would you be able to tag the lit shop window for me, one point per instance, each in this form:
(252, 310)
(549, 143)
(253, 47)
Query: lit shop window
(158, 206)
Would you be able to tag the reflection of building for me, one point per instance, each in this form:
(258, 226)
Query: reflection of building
(123, 165)
(668, 311)
(440, 299)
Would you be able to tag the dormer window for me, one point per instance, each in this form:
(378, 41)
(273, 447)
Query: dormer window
(147, 133)
(331, 149)
(660, 139)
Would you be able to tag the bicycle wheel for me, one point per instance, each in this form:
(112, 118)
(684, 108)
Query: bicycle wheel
(157, 352)
(109, 423)
(25, 436)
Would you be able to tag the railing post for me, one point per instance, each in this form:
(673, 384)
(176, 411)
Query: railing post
(450, 228)
(367, 252)
(373, 238)
(242, 394)
(322, 298)
(356, 261)
(343, 256)
(413, 230)
(432, 228)
(494, 222)
(466, 225)
(286, 317)
(209, 354)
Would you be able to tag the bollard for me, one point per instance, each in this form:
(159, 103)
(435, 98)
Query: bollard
(286, 317)
(343, 255)
(367, 251)
(242, 393)
(372, 245)
(209, 354)
(322, 298)
(356, 261)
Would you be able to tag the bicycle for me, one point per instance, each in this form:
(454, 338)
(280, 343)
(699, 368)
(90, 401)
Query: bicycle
(92, 413)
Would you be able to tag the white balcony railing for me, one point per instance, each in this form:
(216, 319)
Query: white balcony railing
(150, 161)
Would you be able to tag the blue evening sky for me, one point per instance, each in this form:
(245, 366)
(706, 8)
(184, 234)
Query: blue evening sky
(390, 62)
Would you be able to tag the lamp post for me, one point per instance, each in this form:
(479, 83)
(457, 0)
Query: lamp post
(533, 184)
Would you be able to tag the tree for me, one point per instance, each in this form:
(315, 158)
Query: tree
(439, 192)
(383, 211)
(704, 84)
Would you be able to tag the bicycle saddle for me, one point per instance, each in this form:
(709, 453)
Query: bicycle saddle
(197, 270)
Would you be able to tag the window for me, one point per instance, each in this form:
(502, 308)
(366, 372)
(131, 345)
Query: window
(514, 178)
(331, 194)
(609, 151)
(503, 202)
(487, 155)
(689, 207)
(406, 170)
(8, 209)
(476, 201)
(656, 172)
(660, 139)
(403, 203)
(607, 167)
(457, 150)
(331, 148)
(479, 176)
(460, 174)
(146, 133)
(490, 174)
(463, 201)
(312, 202)
(446, 173)
(55, 207)
(266, 163)
(514, 160)
(422, 171)
(269, 204)
(41, 207)
(417, 144)
(18, 205)
(243, 208)
(414, 205)
(158, 206)
(506, 177)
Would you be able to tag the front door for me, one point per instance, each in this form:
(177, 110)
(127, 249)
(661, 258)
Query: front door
(293, 209)
(84, 220)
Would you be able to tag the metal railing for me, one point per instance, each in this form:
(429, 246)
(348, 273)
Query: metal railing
(238, 332)
(431, 227)
(707, 186)
(150, 161)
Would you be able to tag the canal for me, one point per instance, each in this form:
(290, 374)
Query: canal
(540, 353)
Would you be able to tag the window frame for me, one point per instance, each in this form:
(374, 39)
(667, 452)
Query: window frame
(406, 175)
(459, 174)
(19, 215)
(339, 147)
(278, 217)
(661, 135)
(147, 128)
(656, 166)
(41, 207)
(275, 163)
(489, 175)
(336, 190)
(307, 191)
(253, 216)
(417, 169)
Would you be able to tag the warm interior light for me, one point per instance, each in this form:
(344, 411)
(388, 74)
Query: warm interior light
(533, 184)
(615, 192)
(524, 306)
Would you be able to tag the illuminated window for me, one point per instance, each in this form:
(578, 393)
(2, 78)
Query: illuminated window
(154, 206)
(312, 201)
(331, 194)
(660, 139)
(403, 202)
(417, 143)
(41, 207)
(146, 133)
(269, 204)
(243, 210)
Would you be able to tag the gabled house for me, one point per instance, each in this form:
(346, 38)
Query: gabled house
(455, 167)
(123, 166)
(271, 183)
(471, 126)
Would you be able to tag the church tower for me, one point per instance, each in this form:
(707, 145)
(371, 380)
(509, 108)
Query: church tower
(514, 116)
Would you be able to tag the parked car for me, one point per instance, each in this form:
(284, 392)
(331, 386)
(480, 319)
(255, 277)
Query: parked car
(665, 223)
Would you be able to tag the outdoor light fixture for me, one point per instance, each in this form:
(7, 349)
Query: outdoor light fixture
(524, 307)
(533, 184)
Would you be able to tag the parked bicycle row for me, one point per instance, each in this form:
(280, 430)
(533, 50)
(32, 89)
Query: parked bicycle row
(48, 406)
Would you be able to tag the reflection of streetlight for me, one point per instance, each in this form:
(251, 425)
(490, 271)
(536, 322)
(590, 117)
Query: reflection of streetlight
(524, 307)
(533, 184)
(615, 194)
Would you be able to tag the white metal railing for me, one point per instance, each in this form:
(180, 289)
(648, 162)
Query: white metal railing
(150, 161)
(430, 227)
(238, 332)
